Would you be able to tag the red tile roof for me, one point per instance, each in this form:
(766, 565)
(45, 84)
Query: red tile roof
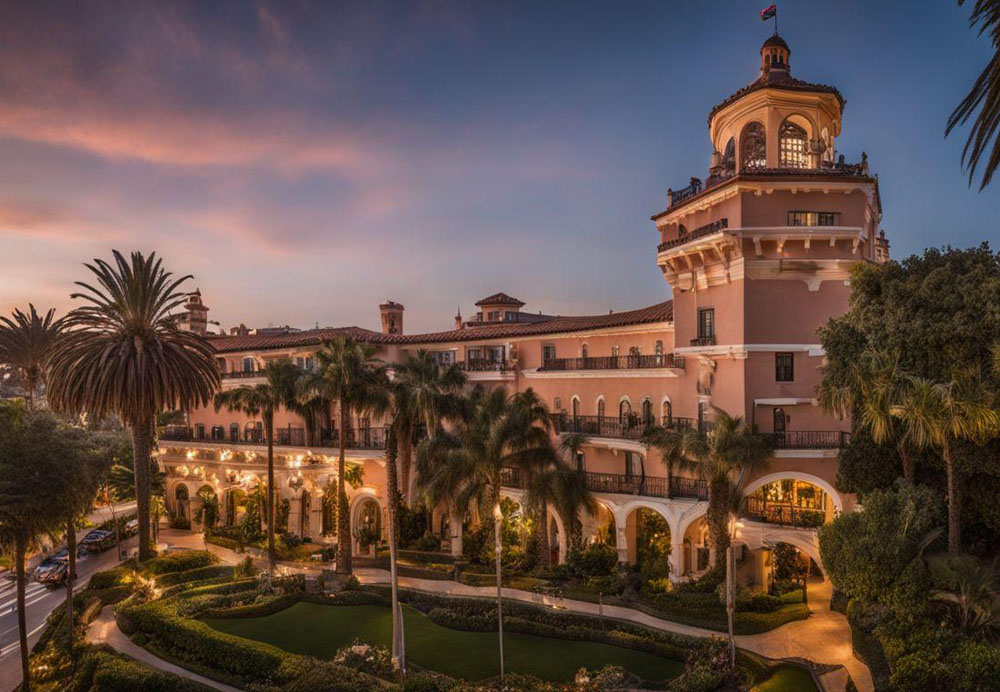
(500, 299)
(778, 79)
(661, 312)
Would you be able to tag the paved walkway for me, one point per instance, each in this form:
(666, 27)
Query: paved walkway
(104, 630)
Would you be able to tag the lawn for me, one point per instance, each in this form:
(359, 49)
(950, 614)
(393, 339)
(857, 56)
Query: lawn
(319, 630)
(787, 679)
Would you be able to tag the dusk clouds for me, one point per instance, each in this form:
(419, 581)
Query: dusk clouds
(308, 160)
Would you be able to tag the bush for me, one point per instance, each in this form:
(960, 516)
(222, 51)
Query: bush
(178, 561)
(109, 578)
(973, 666)
(102, 671)
(196, 574)
(427, 682)
(426, 543)
(596, 560)
(181, 523)
(374, 660)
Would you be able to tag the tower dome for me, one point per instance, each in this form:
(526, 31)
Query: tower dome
(774, 54)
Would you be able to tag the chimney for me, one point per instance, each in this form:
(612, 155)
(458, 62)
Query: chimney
(458, 319)
(392, 317)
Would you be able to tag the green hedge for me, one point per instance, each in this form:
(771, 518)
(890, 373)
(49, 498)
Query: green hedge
(511, 582)
(196, 574)
(179, 561)
(257, 609)
(103, 671)
(109, 578)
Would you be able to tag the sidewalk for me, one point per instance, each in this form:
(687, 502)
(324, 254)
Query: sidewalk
(104, 630)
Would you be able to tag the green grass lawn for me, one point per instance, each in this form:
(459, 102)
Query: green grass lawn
(787, 678)
(319, 630)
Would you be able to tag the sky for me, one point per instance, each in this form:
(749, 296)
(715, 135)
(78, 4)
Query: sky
(306, 161)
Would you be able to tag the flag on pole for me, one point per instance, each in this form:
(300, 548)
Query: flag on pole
(768, 12)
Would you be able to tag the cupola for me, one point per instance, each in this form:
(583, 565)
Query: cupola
(774, 55)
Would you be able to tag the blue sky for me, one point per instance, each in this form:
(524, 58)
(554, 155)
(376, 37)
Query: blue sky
(308, 160)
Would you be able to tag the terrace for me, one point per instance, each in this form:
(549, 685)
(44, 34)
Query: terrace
(631, 428)
(364, 438)
(627, 484)
(631, 362)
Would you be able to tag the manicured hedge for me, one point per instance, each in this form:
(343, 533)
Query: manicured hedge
(102, 671)
(512, 582)
(109, 578)
(268, 606)
(196, 574)
(179, 561)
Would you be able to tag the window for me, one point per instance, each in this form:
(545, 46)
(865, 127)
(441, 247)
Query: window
(634, 351)
(784, 367)
(495, 353)
(729, 155)
(493, 316)
(753, 147)
(580, 461)
(813, 218)
(584, 351)
(234, 432)
(779, 420)
(702, 414)
(443, 357)
(474, 353)
(706, 323)
(658, 349)
(633, 465)
(248, 365)
(624, 412)
(666, 413)
(217, 432)
(510, 316)
(199, 431)
(647, 412)
(576, 407)
(792, 146)
(600, 408)
(615, 350)
(548, 352)
(557, 403)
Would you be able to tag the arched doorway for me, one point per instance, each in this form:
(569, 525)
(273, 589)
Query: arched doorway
(790, 502)
(236, 502)
(604, 527)
(209, 510)
(182, 501)
(367, 525)
(648, 543)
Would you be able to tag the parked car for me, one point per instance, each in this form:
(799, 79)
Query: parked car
(131, 527)
(52, 569)
(96, 541)
(55, 576)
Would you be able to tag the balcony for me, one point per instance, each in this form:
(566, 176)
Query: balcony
(632, 428)
(637, 362)
(365, 438)
(692, 189)
(242, 374)
(483, 365)
(625, 484)
(703, 340)
(811, 439)
(700, 232)
(782, 514)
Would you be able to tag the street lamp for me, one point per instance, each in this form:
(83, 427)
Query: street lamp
(734, 533)
(497, 522)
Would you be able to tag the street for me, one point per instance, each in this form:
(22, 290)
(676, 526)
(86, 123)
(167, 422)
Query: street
(40, 601)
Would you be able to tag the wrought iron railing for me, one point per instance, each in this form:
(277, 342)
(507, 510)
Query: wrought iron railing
(692, 189)
(626, 484)
(242, 374)
(483, 365)
(363, 438)
(784, 514)
(700, 232)
(703, 340)
(632, 362)
(630, 428)
(811, 439)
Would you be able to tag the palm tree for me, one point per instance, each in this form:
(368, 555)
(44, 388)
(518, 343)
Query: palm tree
(123, 354)
(983, 97)
(466, 465)
(278, 390)
(670, 444)
(941, 414)
(311, 404)
(26, 344)
(352, 376)
(875, 382)
(428, 393)
(730, 448)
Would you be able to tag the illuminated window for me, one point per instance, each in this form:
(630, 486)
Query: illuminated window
(753, 147)
(792, 146)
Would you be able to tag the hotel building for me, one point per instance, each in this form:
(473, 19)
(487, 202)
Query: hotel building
(757, 256)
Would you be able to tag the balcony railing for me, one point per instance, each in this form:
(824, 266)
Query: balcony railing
(693, 188)
(700, 232)
(703, 340)
(626, 484)
(364, 438)
(635, 362)
(483, 365)
(811, 439)
(783, 514)
(242, 374)
(631, 428)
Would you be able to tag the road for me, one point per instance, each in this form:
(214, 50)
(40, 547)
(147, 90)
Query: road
(41, 601)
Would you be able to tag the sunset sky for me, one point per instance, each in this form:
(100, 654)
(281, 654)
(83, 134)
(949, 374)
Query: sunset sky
(306, 161)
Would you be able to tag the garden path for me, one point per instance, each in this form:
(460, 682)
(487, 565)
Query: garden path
(104, 630)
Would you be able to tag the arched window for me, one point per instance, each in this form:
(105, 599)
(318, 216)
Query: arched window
(779, 421)
(792, 146)
(658, 348)
(681, 231)
(666, 414)
(557, 403)
(584, 351)
(600, 408)
(753, 147)
(647, 412)
(729, 155)
(624, 411)
(576, 407)
(234, 432)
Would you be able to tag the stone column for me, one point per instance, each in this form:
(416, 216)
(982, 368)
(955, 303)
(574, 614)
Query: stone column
(621, 540)
(456, 536)
(295, 515)
(676, 561)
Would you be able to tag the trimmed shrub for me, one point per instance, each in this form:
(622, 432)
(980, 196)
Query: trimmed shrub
(196, 574)
(109, 578)
(179, 561)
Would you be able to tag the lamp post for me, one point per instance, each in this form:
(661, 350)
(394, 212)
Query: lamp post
(497, 524)
(734, 532)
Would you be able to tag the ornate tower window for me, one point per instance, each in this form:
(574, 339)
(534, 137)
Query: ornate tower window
(753, 147)
(792, 146)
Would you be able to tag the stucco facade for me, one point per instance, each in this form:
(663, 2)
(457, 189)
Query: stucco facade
(757, 256)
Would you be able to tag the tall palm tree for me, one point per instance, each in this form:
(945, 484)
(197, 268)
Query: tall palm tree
(730, 449)
(351, 375)
(670, 444)
(984, 97)
(942, 414)
(123, 354)
(312, 405)
(26, 344)
(426, 395)
(467, 463)
(277, 391)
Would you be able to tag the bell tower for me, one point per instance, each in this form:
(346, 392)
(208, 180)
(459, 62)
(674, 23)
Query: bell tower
(392, 317)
